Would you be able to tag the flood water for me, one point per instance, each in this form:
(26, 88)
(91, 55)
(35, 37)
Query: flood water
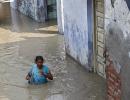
(21, 39)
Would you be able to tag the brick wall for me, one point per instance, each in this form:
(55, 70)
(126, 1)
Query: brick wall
(117, 38)
(113, 83)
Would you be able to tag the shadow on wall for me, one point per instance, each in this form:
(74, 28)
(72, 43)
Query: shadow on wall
(128, 3)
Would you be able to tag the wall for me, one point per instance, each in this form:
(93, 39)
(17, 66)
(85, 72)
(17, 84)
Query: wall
(35, 9)
(78, 39)
(4, 11)
(117, 26)
(60, 17)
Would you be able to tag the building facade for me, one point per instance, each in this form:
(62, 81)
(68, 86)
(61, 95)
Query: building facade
(97, 35)
(117, 28)
(75, 22)
(39, 10)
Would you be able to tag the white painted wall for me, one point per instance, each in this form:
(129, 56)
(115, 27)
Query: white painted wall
(75, 29)
(60, 16)
(33, 8)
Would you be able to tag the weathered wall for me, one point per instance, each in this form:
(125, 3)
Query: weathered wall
(60, 17)
(35, 9)
(117, 26)
(77, 39)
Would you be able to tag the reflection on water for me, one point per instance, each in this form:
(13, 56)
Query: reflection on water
(21, 39)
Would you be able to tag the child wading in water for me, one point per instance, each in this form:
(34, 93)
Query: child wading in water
(39, 74)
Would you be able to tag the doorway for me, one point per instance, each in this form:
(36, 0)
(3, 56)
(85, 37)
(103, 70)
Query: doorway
(51, 9)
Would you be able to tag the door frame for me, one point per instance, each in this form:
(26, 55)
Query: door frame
(95, 38)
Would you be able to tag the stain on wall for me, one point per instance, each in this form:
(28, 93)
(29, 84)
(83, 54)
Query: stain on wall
(35, 9)
(114, 44)
(117, 26)
(112, 3)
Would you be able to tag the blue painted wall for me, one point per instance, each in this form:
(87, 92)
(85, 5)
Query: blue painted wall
(90, 31)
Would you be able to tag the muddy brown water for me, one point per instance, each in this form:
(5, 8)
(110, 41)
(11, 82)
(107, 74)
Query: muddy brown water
(21, 39)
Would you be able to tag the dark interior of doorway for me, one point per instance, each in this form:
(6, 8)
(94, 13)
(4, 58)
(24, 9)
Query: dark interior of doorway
(51, 10)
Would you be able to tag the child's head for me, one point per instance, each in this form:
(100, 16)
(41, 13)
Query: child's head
(39, 60)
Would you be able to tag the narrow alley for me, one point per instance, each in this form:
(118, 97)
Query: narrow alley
(21, 39)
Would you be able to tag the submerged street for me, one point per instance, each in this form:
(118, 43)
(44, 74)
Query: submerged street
(21, 39)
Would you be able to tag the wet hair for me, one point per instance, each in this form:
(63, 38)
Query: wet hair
(39, 58)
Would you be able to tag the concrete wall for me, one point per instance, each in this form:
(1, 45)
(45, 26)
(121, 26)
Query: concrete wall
(117, 26)
(60, 16)
(35, 9)
(77, 39)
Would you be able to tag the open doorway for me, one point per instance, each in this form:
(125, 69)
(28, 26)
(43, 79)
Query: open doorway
(51, 9)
